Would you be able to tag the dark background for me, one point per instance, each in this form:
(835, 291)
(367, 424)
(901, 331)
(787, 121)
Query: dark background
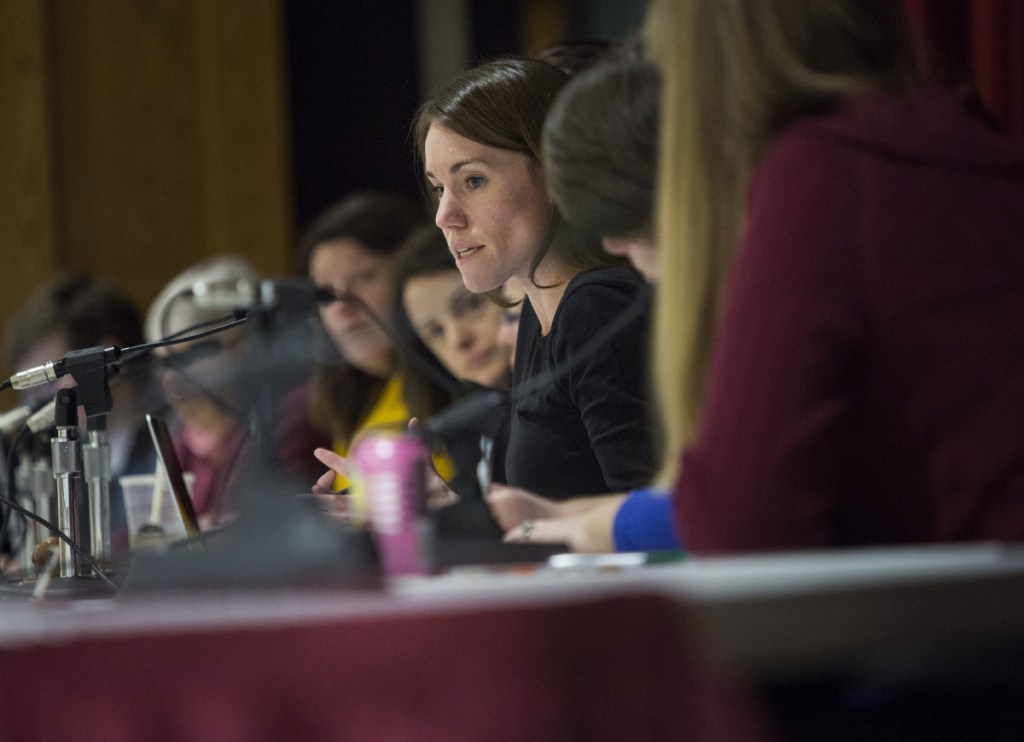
(354, 83)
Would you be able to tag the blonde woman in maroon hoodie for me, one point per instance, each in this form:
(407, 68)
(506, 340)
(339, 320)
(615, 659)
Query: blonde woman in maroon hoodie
(840, 351)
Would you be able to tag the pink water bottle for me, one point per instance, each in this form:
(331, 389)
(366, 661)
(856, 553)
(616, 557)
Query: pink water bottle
(390, 477)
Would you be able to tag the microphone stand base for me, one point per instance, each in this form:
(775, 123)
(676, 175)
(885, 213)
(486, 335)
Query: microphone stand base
(287, 546)
(67, 587)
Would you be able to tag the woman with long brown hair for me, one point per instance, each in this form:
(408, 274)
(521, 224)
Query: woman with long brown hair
(579, 417)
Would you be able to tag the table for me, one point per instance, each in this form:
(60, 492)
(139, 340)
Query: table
(703, 649)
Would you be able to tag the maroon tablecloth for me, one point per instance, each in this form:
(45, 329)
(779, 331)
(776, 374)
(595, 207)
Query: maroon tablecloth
(607, 668)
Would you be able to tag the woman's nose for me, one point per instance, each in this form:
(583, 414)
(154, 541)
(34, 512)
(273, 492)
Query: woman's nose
(463, 335)
(449, 214)
(337, 308)
(344, 296)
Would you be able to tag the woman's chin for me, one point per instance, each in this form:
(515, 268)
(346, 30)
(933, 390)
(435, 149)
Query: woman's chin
(477, 283)
(492, 378)
(374, 363)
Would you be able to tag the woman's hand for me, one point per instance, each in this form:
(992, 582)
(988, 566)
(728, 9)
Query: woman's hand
(569, 530)
(336, 465)
(439, 494)
(584, 524)
(510, 506)
(335, 505)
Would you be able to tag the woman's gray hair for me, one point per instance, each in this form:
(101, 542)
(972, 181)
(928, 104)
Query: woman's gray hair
(172, 312)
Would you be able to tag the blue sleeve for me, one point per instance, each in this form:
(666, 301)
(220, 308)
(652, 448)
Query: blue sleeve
(644, 522)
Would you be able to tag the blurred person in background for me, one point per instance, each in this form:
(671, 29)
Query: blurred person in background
(442, 322)
(575, 55)
(350, 251)
(457, 327)
(199, 383)
(76, 312)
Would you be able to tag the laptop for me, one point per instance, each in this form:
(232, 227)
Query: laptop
(167, 460)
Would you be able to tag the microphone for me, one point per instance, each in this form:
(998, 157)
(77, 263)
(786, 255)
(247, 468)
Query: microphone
(466, 415)
(53, 370)
(43, 418)
(13, 419)
(243, 293)
(34, 416)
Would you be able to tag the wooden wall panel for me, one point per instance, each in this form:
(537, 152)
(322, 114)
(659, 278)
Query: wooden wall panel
(127, 117)
(139, 136)
(244, 130)
(27, 246)
(172, 135)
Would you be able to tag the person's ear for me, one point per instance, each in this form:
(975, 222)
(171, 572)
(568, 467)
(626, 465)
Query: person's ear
(615, 245)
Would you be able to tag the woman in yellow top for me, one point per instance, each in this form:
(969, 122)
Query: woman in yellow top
(349, 250)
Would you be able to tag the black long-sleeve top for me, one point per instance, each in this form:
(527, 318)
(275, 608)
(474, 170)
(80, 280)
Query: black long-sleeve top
(586, 427)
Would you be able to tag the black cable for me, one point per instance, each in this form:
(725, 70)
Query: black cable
(528, 386)
(464, 415)
(63, 537)
(411, 353)
(125, 355)
(133, 351)
(519, 391)
(234, 316)
(13, 506)
(115, 357)
(534, 383)
(179, 364)
(11, 488)
(416, 357)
